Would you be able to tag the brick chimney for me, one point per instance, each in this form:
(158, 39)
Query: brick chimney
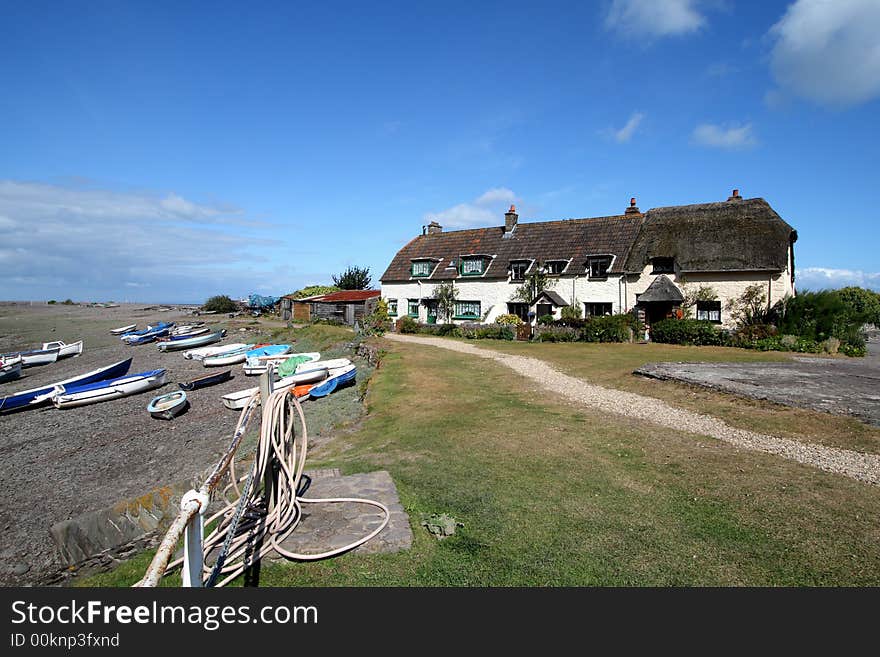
(434, 227)
(510, 218)
(633, 208)
(735, 197)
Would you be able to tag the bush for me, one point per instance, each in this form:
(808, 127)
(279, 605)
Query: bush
(747, 336)
(67, 302)
(571, 312)
(686, 331)
(556, 334)
(488, 331)
(853, 351)
(509, 319)
(221, 304)
(407, 324)
(545, 319)
(52, 301)
(450, 330)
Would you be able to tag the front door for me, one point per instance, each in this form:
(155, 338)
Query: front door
(432, 311)
(544, 309)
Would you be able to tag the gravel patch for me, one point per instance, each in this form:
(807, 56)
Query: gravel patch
(863, 467)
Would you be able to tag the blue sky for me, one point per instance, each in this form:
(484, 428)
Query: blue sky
(169, 151)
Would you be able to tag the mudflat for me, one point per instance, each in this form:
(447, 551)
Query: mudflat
(57, 464)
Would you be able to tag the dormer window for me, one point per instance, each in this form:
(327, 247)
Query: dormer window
(663, 265)
(518, 269)
(421, 268)
(473, 265)
(598, 266)
(555, 267)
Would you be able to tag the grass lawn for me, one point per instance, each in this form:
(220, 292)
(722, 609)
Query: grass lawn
(612, 365)
(553, 495)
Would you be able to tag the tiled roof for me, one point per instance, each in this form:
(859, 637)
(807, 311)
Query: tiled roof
(345, 295)
(541, 241)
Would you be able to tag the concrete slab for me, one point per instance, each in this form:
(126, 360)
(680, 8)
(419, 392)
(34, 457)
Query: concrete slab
(843, 386)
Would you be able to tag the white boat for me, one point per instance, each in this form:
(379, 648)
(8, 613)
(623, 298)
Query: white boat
(259, 364)
(34, 356)
(196, 341)
(10, 369)
(235, 401)
(333, 363)
(165, 407)
(64, 350)
(101, 391)
(123, 329)
(189, 332)
(204, 352)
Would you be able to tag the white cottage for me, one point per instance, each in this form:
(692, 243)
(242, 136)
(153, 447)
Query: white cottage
(645, 262)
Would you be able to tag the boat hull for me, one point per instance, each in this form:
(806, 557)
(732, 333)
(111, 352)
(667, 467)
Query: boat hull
(35, 397)
(10, 370)
(123, 329)
(168, 406)
(65, 350)
(197, 341)
(237, 400)
(206, 352)
(336, 379)
(205, 381)
(101, 391)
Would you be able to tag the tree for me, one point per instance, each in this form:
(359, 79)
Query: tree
(221, 304)
(535, 283)
(353, 278)
(446, 293)
(750, 308)
(862, 305)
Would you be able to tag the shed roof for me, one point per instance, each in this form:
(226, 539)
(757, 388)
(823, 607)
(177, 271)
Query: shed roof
(553, 297)
(661, 289)
(345, 295)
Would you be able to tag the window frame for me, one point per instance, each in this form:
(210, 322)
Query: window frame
(392, 307)
(457, 314)
(716, 308)
(547, 264)
(510, 266)
(605, 304)
(431, 264)
(599, 258)
(409, 306)
(471, 259)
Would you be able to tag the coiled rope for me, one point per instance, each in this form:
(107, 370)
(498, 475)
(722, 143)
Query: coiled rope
(262, 515)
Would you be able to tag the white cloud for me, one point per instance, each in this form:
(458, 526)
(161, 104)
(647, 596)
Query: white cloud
(626, 132)
(829, 51)
(654, 17)
(486, 209)
(92, 243)
(817, 278)
(732, 137)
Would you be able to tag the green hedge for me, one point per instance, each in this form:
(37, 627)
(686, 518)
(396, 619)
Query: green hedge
(686, 331)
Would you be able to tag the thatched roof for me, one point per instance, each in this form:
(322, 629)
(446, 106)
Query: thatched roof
(662, 289)
(735, 235)
(730, 236)
(574, 239)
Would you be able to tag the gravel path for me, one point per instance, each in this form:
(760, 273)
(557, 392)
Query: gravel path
(863, 467)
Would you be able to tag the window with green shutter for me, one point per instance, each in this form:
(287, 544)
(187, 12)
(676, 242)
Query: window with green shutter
(392, 307)
(421, 268)
(467, 310)
(473, 266)
(413, 308)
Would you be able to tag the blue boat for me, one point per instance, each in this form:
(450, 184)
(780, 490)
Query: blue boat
(150, 328)
(36, 396)
(336, 379)
(149, 337)
(268, 350)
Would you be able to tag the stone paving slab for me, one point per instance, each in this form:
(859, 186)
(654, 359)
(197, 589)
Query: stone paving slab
(326, 526)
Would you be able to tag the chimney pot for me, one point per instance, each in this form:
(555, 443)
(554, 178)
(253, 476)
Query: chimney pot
(735, 196)
(633, 208)
(632, 202)
(510, 219)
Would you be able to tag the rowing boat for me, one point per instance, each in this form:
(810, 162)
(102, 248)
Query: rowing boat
(335, 379)
(196, 341)
(123, 329)
(237, 400)
(101, 391)
(259, 364)
(10, 369)
(240, 355)
(34, 356)
(205, 352)
(207, 380)
(165, 407)
(36, 396)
